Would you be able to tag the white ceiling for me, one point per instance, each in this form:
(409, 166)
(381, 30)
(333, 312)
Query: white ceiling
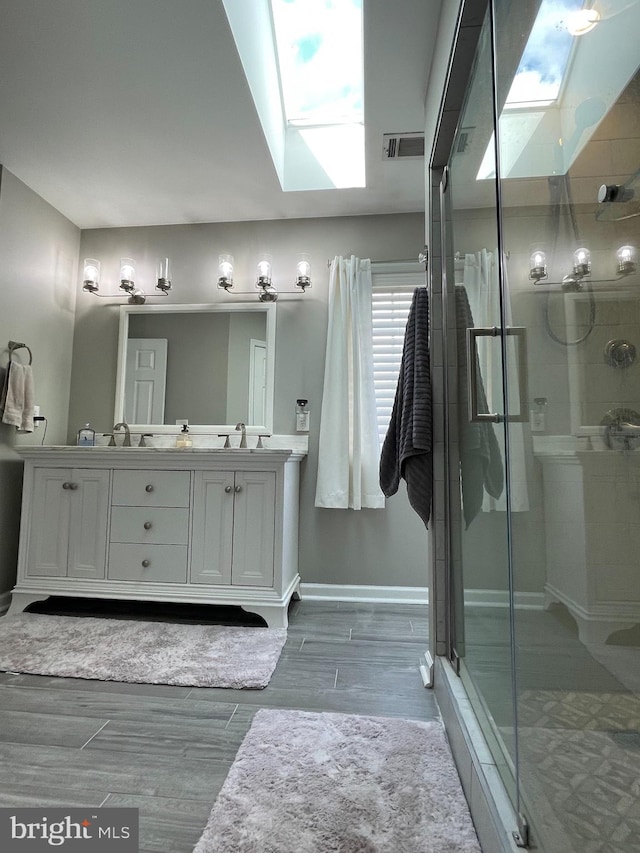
(137, 112)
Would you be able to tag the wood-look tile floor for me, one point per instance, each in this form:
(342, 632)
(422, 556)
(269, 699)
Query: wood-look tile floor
(167, 750)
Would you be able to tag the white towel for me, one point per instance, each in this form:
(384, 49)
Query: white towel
(18, 402)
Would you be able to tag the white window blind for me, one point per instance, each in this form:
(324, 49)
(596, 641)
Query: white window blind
(393, 287)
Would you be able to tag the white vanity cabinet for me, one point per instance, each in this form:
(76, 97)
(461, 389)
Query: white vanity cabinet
(184, 525)
(68, 535)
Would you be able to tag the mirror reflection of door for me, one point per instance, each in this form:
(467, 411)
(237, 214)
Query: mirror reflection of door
(146, 379)
(257, 381)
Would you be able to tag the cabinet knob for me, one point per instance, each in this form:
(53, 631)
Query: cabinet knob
(228, 489)
(146, 563)
(66, 485)
(148, 488)
(147, 525)
(73, 486)
(238, 489)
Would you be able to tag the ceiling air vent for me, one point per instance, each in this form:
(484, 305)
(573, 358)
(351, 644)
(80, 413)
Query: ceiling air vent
(403, 146)
(464, 139)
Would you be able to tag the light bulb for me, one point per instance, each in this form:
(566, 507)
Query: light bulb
(91, 275)
(537, 265)
(264, 271)
(303, 272)
(127, 274)
(581, 262)
(626, 256)
(225, 270)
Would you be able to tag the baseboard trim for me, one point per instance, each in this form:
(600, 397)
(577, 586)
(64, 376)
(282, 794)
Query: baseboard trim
(500, 598)
(365, 593)
(416, 595)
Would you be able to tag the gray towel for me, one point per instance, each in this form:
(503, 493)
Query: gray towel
(480, 458)
(407, 450)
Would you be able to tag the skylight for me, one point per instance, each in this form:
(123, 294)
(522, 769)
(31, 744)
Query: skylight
(537, 86)
(544, 61)
(320, 56)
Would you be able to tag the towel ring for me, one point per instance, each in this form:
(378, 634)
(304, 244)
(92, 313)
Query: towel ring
(14, 345)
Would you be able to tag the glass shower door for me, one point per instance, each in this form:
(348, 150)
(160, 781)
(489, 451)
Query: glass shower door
(481, 645)
(570, 205)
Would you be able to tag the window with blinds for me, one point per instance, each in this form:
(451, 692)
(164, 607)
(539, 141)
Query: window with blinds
(393, 287)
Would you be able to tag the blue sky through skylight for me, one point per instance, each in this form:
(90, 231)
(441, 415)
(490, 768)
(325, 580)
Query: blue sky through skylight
(319, 46)
(544, 61)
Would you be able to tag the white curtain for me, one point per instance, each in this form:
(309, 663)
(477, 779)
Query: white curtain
(482, 285)
(349, 452)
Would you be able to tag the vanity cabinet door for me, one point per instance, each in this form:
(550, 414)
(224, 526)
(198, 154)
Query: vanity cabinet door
(212, 537)
(253, 528)
(68, 526)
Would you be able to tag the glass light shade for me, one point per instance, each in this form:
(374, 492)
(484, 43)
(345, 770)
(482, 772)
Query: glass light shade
(581, 261)
(91, 274)
(626, 256)
(127, 274)
(225, 271)
(264, 271)
(537, 265)
(582, 21)
(163, 274)
(303, 272)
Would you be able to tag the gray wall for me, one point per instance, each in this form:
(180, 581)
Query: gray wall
(38, 272)
(387, 547)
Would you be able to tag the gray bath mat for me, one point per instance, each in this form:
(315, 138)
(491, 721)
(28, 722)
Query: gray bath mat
(305, 782)
(142, 652)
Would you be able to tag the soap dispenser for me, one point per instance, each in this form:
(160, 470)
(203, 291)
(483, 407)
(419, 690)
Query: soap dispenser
(86, 436)
(184, 439)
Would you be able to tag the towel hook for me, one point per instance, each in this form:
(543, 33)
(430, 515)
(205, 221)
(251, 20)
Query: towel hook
(14, 345)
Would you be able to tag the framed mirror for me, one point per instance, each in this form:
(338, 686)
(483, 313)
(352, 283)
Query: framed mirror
(212, 365)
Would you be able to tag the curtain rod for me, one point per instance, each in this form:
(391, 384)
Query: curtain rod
(392, 261)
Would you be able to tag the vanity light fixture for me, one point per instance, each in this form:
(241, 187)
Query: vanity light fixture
(626, 264)
(267, 291)
(91, 279)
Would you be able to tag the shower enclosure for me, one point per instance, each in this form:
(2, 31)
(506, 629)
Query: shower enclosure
(540, 228)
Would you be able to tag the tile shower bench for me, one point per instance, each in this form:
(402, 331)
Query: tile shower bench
(191, 525)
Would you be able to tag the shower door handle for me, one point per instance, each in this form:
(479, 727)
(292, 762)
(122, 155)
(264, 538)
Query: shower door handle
(520, 333)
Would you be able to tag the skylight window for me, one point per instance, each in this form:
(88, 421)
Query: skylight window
(320, 57)
(546, 55)
(535, 92)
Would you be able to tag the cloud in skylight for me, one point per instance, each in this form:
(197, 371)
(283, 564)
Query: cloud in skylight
(320, 55)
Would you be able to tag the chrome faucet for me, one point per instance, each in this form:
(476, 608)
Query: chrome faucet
(127, 433)
(243, 440)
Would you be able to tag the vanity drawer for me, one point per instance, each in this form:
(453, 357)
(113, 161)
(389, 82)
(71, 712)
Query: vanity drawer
(166, 563)
(151, 488)
(155, 525)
